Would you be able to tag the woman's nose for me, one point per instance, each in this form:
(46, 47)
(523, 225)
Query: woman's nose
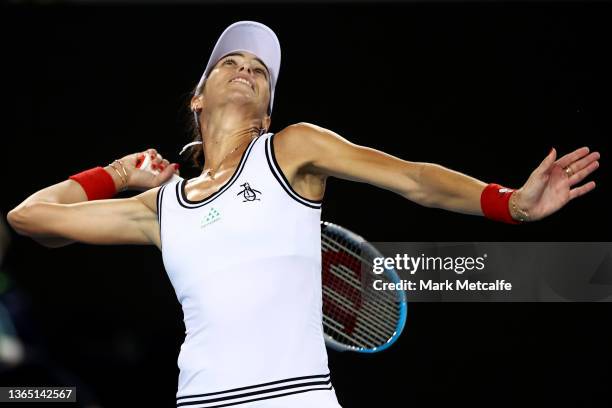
(245, 66)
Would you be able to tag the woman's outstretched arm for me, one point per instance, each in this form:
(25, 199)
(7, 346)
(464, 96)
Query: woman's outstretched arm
(61, 214)
(549, 187)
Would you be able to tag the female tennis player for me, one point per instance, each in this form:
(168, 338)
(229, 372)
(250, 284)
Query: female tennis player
(241, 242)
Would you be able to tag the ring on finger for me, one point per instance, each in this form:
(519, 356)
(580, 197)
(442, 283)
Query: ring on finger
(568, 171)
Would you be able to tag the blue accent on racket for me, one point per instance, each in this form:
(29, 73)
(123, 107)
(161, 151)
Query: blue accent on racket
(356, 317)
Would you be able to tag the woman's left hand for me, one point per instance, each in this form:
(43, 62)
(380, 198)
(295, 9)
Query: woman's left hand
(551, 185)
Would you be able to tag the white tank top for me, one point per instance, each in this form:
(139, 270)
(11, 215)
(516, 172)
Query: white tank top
(246, 267)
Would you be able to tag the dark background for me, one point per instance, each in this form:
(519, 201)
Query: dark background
(483, 88)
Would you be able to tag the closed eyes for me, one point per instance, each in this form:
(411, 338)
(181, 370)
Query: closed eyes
(231, 61)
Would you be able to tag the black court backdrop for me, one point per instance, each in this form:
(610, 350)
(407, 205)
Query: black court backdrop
(483, 88)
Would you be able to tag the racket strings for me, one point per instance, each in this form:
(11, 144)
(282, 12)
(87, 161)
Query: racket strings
(335, 330)
(386, 301)
(368, 321)
(354, 312)
(373, 298)
(374, 305)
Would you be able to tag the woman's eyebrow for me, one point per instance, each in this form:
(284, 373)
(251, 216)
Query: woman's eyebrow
(255, 58)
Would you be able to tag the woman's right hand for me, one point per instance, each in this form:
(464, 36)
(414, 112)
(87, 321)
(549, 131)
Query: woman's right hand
(61, 214)
(159, 172)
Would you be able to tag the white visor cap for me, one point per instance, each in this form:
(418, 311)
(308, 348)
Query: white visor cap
(252, 37)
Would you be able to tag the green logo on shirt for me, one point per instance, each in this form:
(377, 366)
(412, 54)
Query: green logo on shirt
(212, 216)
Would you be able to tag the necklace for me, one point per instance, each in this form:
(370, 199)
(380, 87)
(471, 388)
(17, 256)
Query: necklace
(210, 173)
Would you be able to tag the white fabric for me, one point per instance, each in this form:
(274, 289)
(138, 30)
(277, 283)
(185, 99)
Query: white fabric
(252, 37)
(246, 267)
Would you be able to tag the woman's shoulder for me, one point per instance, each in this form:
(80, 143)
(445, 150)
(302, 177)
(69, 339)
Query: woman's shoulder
(305, 139)
(300, 136)
(149, 197)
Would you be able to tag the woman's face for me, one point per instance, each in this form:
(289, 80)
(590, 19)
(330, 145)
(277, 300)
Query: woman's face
(242, 78)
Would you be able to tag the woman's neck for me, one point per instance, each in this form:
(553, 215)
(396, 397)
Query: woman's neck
(223, 132)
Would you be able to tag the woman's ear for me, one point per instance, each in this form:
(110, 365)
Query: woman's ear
(196, 103)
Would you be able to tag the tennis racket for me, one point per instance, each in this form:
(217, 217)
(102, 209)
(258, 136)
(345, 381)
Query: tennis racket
(356, 317)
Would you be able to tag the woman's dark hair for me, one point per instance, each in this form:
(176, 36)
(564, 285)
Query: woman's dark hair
(194, 154)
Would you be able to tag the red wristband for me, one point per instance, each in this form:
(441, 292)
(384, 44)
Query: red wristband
(494, 202)
(96, 182)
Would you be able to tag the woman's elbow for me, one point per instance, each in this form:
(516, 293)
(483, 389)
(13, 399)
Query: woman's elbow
(22, 219)
(422, 198)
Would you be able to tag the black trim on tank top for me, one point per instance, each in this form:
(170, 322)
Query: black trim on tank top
(160, 197)
(258, 392)
(282, 180)
(181, 196)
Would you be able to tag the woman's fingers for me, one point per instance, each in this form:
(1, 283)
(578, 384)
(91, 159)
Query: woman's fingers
(582, 190)
(547, 163)
(152, 153)
(578, 176)
(140, 160)
(164, 174)
(157, 162)
(584, 162)
(573, 156)
(158, 159)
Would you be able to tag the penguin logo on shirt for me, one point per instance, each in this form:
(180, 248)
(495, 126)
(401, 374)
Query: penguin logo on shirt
(249, 193)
